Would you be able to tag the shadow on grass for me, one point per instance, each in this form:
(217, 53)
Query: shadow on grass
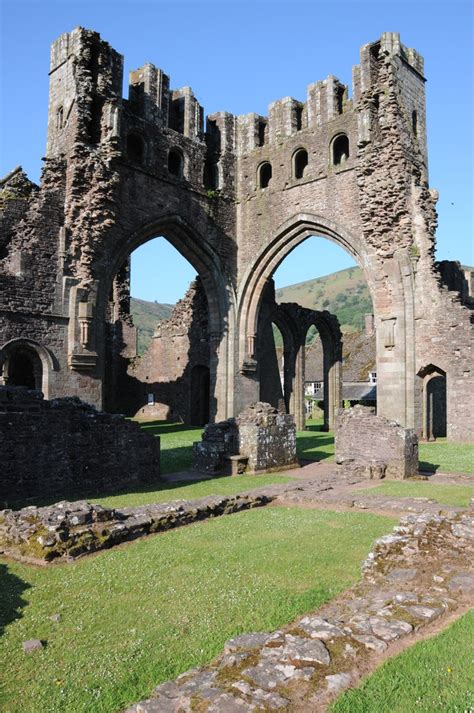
(312, 442)
(160, 427)
(428, 467)
(11, 601)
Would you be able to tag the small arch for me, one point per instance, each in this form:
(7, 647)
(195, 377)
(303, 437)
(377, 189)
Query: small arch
(414, 122)
(434, 402)
(135, 148)
(24, 362)
(211, 175)
(25, 369)
(175, 163)
(264, 174)
(340, 149)
(300, 162)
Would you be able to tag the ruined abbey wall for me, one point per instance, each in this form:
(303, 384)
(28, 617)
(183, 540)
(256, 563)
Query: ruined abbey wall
(234, 195)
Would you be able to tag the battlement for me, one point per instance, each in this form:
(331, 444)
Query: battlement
(86, 105)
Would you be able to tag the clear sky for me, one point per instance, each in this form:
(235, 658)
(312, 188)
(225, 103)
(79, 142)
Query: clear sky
(239, 56)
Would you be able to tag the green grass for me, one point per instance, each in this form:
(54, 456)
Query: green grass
(433, 675)
(168, 491)
(138, 615)
(314, 443)
(176, 443)
(457, 495)
(447, 456)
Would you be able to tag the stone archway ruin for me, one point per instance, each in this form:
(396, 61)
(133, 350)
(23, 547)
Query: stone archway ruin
(121, 171)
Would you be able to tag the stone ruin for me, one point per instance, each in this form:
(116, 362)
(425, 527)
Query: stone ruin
(234, 195)
(49, 448)
(372, 446)
(259, 439)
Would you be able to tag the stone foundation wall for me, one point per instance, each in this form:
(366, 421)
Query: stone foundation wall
(64, 445)
(374, 446)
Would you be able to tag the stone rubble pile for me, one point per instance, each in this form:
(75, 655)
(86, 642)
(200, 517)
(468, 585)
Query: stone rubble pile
(68, 530)
(415, 575)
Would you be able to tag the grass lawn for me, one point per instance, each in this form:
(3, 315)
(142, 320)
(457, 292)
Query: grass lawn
(314, 443)
(457, 495)
(444, 455)
(433, 675)
(140, 614)
(176, 443)
(170, 491)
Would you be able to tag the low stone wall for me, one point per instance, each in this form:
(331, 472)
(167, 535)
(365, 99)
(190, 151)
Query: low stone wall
(68, 530)
(413, 577)
(64, 445)
(374, 447)
(263, 438)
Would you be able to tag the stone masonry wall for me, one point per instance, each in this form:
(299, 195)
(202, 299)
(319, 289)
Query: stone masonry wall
(374, 446)
(119, 172)
(49, 448)
(266, 437)
(167, 369)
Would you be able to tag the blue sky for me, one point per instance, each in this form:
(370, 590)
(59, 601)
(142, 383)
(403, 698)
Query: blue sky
(239, 56)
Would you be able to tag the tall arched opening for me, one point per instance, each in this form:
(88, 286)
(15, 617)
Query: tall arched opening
(265, 268)
(160, 382)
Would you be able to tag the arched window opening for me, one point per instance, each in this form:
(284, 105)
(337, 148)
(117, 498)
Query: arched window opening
(135, 148)
(299, 117)
(340, 150)
(60, 118)
(300, 162)
(414, 122)
(175, 163)
(264, 175)
(434, 403)
(25, 369)
(262, 126)
(211, 175)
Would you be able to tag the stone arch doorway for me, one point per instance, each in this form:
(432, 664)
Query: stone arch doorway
(24, 362)
(219, 297)
(25, 369)
(200, 384)
(290, 235)
(434, 418)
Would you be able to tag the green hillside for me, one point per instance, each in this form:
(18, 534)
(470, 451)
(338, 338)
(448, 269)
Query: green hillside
(344, 293)
(146, 315)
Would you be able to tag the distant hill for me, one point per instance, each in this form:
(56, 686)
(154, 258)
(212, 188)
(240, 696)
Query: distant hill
(146, 315)
(344, 293)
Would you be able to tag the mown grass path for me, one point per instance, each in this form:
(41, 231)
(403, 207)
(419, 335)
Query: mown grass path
(141, 614)
(433, 675)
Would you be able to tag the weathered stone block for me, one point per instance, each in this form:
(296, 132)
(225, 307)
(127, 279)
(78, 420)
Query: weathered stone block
(374, 446)
(261, 435)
